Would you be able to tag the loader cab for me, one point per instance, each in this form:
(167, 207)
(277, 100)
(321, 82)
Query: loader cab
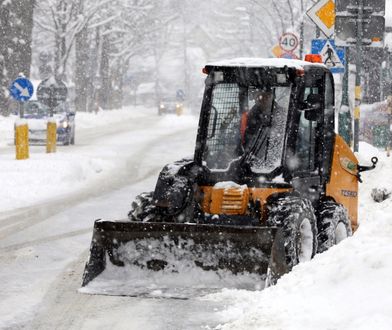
(224, 139)
(293, 134)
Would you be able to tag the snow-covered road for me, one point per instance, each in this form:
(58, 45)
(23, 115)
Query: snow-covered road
(49, 203)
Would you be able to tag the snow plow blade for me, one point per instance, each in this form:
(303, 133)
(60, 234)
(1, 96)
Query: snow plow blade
(155, 246)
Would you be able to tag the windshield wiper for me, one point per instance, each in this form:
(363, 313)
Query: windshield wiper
(258, 143)
(214, 122)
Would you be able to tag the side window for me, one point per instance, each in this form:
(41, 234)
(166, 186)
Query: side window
(329, 102)
(305, 149)
(223, 137)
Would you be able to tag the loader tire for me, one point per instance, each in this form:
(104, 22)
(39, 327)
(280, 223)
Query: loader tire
(333, 224)
(142, 208)
(296, 218)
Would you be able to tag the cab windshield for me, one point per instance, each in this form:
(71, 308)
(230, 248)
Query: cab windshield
(247, 121)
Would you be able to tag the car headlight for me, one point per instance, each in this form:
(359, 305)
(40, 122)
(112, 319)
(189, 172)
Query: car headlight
(162, 106)
(65, 124)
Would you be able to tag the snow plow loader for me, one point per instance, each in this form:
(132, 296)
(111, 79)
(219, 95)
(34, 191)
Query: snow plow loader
(269, 186)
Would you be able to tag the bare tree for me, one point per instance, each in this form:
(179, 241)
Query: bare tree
(16, 24)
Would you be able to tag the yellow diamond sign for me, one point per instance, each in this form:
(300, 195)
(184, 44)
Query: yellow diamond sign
(323, 15)
(327, 14)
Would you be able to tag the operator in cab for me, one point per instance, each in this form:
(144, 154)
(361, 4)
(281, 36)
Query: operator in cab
(258, 117)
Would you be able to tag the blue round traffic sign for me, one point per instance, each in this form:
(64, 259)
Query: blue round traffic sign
(21, 89)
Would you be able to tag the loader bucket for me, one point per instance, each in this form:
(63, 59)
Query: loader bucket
(155, 246)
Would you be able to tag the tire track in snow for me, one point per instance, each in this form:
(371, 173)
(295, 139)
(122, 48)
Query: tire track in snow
(46, 239)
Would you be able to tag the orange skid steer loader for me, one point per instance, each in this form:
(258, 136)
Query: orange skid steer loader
(269, 186)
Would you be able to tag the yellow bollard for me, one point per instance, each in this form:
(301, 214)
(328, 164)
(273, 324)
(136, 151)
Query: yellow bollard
(22, 140)
(179, 109)
(51, 137)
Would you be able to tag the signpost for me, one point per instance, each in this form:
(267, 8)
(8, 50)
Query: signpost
(322, 14)
(373, 31)
(21, 89)
(333, 57)
(348, 22)
(359, 23)
(52, 92)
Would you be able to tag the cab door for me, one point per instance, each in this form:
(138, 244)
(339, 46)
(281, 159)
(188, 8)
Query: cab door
(308, 143)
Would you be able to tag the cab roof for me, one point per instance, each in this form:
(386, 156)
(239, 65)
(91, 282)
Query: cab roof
(263, 62)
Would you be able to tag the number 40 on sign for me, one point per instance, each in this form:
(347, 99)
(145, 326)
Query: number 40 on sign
(288, 42)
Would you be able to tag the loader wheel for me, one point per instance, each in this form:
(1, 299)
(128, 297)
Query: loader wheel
(333, 224)
(296, 218)
(142, 208)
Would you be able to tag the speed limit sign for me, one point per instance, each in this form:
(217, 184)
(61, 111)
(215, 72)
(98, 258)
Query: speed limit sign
(288, 42)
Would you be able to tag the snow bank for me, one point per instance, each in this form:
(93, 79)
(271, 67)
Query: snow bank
(347, 287)
(343, 288)
(43, 175)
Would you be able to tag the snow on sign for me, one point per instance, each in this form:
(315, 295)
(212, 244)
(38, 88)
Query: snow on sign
(288, 42)
(333, 57)
(323, 15)
(21, 89)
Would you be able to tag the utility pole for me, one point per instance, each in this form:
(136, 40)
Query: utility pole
(389, 111)
(301, 38)
(345, 127)
(185, 49)
(358, 60)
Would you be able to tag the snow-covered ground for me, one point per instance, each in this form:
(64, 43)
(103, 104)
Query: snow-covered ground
(44, 176)
(49, 202)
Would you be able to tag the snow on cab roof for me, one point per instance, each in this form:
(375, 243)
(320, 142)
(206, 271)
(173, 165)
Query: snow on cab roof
(263, 62)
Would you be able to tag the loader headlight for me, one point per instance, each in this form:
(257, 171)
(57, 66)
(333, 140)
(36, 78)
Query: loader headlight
(162, 106)
(178, 105)
(65, 124)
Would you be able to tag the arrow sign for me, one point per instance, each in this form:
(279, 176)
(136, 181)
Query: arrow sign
(323, 15)
(21, 89)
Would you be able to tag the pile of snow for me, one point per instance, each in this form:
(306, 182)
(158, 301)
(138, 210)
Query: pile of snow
(347, 287)
(188, 282)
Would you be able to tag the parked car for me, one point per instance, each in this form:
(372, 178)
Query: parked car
(37, 115)
(169, 105)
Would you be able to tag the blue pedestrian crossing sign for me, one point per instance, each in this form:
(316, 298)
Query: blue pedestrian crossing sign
(21, 89)
(333, 57)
